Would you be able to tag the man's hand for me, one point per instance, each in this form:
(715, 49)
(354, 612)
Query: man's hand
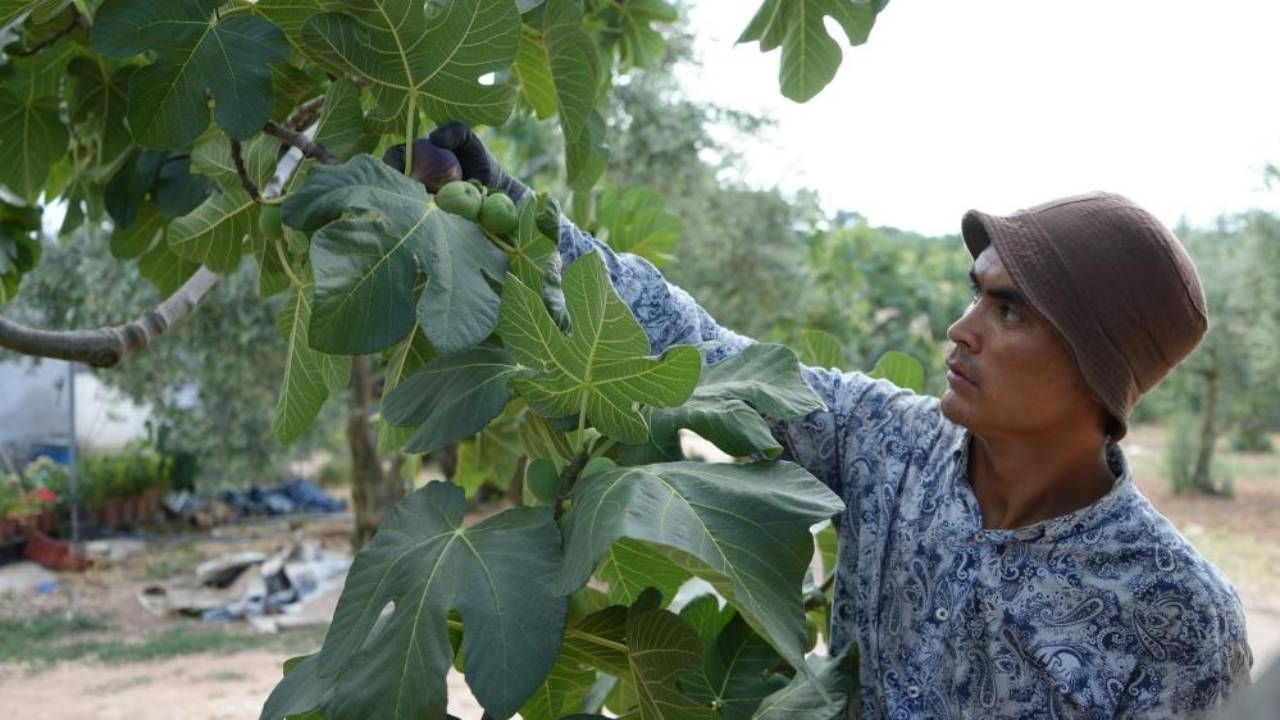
(476, 161)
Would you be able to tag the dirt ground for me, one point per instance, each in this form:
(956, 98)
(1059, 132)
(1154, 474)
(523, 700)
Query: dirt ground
(1241, 536)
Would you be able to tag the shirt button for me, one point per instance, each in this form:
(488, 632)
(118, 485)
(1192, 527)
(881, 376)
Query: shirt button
(913, 691)
(942, 614)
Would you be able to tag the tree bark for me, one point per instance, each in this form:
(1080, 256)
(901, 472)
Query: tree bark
(106, 347)
(1202, 479)
(374, 489)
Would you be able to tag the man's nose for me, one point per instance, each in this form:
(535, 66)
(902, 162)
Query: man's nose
(964, 331)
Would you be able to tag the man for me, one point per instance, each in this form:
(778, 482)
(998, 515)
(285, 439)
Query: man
(996, 559)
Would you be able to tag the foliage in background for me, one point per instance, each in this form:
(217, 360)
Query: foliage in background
(210, 387)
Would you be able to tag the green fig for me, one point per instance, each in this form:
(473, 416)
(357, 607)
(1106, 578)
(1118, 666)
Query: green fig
(498, 214)
(269, 221)
(433, 166)
(460, 198)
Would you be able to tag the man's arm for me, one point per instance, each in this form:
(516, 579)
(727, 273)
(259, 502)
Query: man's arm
(1205, 660)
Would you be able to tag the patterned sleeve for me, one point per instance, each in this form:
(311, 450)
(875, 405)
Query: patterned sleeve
(1205, 659)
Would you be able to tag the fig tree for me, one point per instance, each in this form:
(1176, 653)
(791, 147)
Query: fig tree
(433, 166)
(460, 198)
(498, 214)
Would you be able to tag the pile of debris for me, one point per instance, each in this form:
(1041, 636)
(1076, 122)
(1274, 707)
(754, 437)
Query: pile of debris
(294, 495)
(293, 587)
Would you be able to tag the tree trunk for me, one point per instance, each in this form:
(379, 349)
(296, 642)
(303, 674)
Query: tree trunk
(1202, 480)
(374, 490)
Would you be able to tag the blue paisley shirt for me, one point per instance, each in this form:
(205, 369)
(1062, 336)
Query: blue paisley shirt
(1104, 612)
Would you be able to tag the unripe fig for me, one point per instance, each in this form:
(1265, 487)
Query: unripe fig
(460, 198)
(498, 214)
(433, 166)
(269, 221)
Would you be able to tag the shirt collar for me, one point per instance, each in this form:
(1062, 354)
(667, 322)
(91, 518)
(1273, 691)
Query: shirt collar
(1092, 516)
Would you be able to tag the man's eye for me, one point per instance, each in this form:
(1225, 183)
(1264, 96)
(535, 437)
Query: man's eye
(1009, 313)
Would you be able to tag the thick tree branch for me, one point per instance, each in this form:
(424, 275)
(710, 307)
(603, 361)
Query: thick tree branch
(245, 182)
(106, 347)
(300, 141)
(306, 114)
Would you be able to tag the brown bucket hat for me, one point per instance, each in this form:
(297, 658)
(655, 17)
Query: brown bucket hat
(1114, 282)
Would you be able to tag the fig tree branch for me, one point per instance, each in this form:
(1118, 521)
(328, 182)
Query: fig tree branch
(300, 141)
(245, 182)
(107, 346)
(306, 114)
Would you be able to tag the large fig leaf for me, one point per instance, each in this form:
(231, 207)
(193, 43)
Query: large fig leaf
(309, 375)
(452, 397)
(31, 131)
(602, 369)
(737, 672)
(665, 653)
(101, 101)
(819, 348)
(819, 694)
(560, 693)
(629, 27)
(810, 57)
(900, 369)
(433, 60)
(496, 574)
(401, 361)
(730, 405)
(630, 567)
(197, 52)
(637, 222)
(533, 69)
(367, 263)
(746, 526)
(575, 68)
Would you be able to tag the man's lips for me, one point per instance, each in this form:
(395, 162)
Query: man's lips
(954, 369)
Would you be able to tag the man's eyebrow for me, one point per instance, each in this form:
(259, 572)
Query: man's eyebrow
(1006, 294)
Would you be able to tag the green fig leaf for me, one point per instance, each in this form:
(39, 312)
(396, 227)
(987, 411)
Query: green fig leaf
(601, 371)
(495, 574)
(821, 693)
(309, 375)
(756, 555)
(637, 222)
(367, 263)
(810, 56)
(452, 397)
(819, 348)
(412, 58)
(730, 405)
(196, 52)
(900, 369)
(575, 67)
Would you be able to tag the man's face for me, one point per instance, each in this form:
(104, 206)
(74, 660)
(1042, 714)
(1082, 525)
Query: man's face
(1010, 373)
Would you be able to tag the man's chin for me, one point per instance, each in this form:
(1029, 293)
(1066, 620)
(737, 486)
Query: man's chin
(955, 409)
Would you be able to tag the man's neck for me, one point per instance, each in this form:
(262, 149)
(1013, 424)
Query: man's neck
(1019, 482)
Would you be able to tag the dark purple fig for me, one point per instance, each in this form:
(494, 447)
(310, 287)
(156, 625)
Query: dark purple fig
(432, 166)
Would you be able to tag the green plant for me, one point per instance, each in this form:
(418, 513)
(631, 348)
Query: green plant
(184, 158)
(10, 494)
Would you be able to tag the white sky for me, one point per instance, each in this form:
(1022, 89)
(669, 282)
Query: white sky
(1001, 104)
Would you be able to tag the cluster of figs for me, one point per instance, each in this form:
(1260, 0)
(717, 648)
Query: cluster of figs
(439, 170)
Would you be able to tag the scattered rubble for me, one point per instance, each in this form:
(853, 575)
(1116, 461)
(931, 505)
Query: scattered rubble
(265, 590)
